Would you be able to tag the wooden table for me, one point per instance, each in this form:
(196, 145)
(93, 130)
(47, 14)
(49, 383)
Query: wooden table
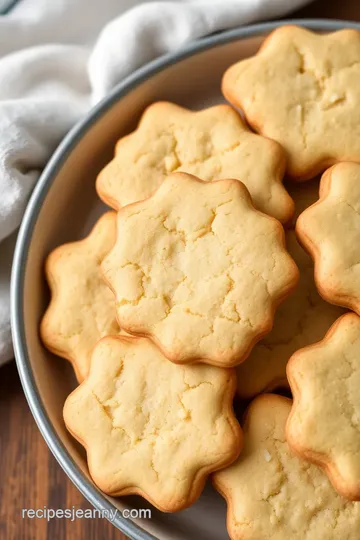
(30, 476)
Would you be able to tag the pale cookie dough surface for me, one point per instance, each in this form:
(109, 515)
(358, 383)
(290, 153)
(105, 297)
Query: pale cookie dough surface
(272, 494)
(324, 425)
(199, 270)
(302, 90)
(82, 307)
(150, 427)
(302, 319)
(330, 231)
(212, 144)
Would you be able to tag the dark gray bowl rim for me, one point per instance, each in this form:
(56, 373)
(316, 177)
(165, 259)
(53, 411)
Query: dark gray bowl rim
(92, 494)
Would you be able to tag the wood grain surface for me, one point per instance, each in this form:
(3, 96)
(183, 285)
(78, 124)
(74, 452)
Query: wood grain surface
(30, 476)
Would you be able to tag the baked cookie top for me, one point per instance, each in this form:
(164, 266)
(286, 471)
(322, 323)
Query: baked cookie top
(302, 90)
(302, 319)
(271, 493)
(199, 270)
(330, 231)
(150, 427)
(82, 307)
(212, 144)
(324, 425)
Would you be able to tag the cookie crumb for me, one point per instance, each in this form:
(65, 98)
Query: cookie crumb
(267, 455)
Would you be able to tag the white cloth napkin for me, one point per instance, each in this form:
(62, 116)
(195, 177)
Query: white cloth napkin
(58, 57)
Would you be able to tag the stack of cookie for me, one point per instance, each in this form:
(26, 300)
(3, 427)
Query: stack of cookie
(167, 295)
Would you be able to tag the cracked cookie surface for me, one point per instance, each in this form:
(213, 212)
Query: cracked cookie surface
(329, 230)
(199, 270)
(302, 319)
(212, 144)
(272, 494)
(324, 425)
(82, 307)
(302, 90)
(150, 427)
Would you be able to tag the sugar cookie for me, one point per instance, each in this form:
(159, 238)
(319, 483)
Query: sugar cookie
(330, 231)
(150, 427)
(199, 270)
(212, 144)
(324, 425)
(82, 307)
(302, 319)
(302, 90)
(272, 494)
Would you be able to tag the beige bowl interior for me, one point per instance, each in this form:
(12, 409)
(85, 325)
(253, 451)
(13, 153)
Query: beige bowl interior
(70, 209)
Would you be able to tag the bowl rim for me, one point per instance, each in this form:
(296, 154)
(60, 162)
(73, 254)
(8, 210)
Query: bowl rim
(68, 144)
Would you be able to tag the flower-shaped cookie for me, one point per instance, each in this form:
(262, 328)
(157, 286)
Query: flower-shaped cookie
(324, 425)
(212, 143)
(150, 427)
(272, 494)
(199, 270)
(330, 231)
(82, 307)
(302, 90)
(302, 319)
